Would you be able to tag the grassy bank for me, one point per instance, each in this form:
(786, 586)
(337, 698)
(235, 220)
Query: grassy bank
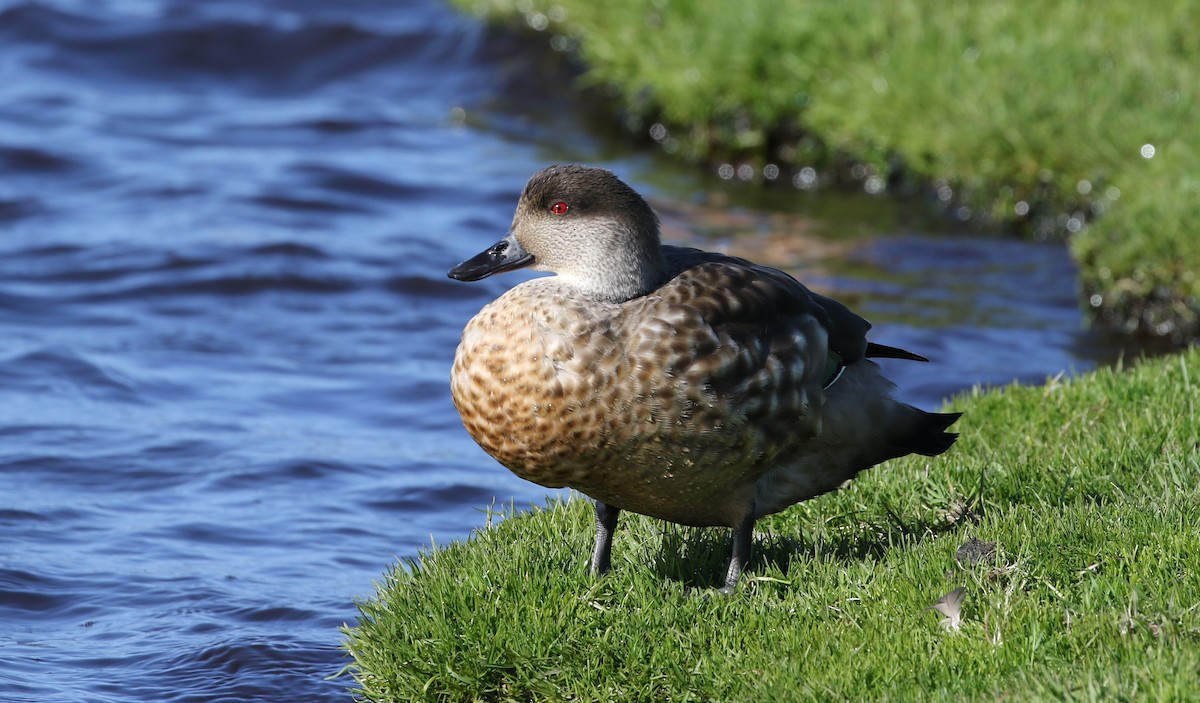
(1074, 119)
(1086, 488)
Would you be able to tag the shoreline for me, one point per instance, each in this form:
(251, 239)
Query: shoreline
(1065, 511)
(1068, 134)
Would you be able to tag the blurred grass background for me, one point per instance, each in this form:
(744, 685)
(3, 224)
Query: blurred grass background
(1069, 119)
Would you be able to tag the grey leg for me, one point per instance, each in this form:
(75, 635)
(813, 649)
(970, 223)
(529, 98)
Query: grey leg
(742, 536)
(606, 523)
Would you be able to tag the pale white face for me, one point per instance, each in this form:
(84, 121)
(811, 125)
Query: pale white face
(571, 245)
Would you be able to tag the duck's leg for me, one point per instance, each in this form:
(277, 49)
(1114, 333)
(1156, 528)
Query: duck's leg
(743, 534)
(606, 523)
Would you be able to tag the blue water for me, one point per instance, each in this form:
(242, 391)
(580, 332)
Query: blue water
(225, 326)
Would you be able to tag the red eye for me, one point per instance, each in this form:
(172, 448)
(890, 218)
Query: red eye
(559, 208)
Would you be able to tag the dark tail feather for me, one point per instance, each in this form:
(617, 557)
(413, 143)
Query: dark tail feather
(929, 436)
(883, 351)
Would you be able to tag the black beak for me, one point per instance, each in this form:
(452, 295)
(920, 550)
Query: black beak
(505, 255)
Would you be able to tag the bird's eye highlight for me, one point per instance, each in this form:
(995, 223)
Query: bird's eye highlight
(559, 208)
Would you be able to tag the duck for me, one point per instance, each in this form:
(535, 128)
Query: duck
(687, 385)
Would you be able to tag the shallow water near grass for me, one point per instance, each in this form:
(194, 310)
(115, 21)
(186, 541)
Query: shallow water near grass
(226, 330)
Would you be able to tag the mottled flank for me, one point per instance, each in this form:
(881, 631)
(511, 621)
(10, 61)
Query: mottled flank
(672, 382)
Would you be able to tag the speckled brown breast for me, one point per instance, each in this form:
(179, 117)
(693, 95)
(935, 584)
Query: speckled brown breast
(670, 405)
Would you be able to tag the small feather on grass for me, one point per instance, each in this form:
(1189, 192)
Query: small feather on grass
(950, 606)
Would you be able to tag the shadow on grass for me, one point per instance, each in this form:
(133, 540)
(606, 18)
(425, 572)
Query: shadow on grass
(698, 557)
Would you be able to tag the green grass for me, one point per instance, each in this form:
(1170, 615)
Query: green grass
(1019, 112)
(1088, 487)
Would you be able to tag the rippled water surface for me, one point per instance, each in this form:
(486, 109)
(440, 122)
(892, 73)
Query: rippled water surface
(225, 327)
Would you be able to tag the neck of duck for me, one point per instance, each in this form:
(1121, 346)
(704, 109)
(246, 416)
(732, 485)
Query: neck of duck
(619, 274)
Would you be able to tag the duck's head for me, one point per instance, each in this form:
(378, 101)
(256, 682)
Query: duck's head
(585, 225)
